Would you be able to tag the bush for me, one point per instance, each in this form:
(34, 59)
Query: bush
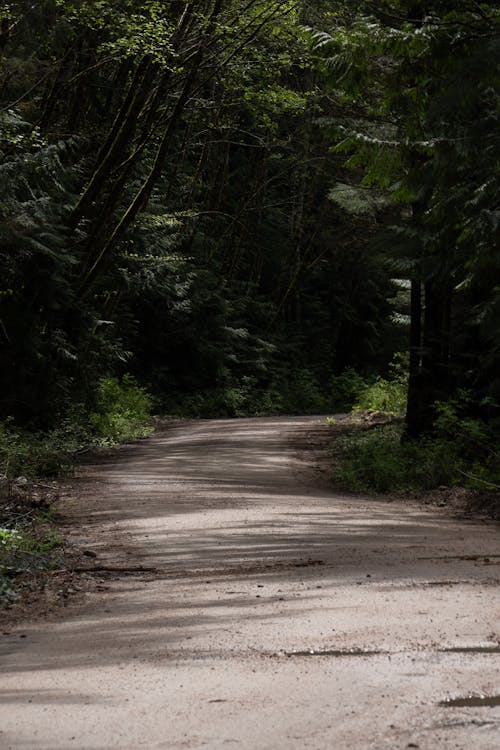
(461, 451)
(35, 454)
(387, 395)
(30, 455)
(346, 389)
(122, 410)
(303, 394)
(461, 419)
(298, 393)
(350, 390)
(14, 452)
(120, 414)
(376, 460)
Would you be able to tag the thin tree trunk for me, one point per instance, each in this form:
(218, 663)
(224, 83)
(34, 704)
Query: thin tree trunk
(413, 409)
(121, 132)
(142, 196)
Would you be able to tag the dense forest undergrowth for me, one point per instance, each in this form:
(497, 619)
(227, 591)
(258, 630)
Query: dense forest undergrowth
(239, 207)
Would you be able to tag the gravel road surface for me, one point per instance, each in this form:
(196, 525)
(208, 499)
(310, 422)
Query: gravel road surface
(240, 603)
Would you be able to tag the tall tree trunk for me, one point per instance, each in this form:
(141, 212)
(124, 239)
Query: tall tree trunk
(429, 379)
(414, 406)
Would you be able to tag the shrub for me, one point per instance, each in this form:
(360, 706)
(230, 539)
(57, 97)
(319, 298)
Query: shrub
(376, 460)
(346, 389)
(121, 411)
(459, 420)
(302, 393)
(14, 452)
(461, 450)
(388, 395)
(268, 401)
(298, 393)
(30, 455)
(120, 414)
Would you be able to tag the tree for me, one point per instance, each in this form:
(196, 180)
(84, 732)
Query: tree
(420, 97)
(168, 208)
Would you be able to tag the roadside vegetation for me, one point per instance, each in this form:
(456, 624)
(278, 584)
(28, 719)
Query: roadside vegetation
(376, 454)
(31, 465)
(29, 547)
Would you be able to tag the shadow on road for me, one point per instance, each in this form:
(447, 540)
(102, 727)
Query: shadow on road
(239, 539)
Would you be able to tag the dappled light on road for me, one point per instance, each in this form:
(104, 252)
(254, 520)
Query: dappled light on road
(222, 563)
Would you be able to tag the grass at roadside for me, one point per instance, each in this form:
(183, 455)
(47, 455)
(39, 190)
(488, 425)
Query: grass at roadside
(375, 455)
(373, 459)
(27, 550)
(376, 459)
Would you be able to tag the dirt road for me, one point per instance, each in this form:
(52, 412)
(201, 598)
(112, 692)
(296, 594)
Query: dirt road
(273, 614)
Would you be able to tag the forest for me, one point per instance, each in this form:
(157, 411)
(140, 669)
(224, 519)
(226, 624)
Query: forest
(249, 207)
(249, 374)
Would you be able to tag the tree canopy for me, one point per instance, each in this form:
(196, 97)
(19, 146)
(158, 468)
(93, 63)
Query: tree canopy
(230, 198)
